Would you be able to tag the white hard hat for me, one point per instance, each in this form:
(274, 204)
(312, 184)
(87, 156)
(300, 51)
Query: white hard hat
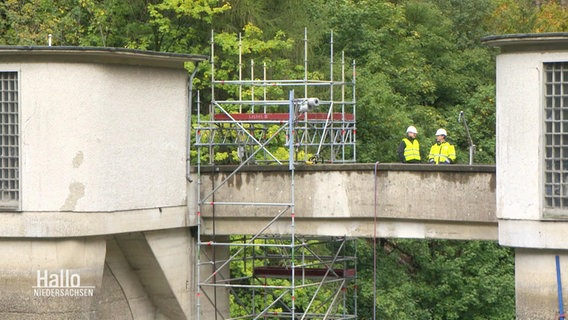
(441, 132)
(411, 129)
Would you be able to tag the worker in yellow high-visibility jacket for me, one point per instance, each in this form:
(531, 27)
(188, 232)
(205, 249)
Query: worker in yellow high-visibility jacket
(409, 148)
(442, 152)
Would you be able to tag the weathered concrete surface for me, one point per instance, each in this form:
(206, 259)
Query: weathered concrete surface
(26, 294)
(414, 201)
(124, 296)
(48, 224)
(115, 135)
(133, 276)
(536, 285)
(174, 253)
(154, 271)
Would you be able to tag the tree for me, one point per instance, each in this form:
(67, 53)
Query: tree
(512, 16)
(413, 70)
(181, 26)
(30, 22)
(438, 280)
(526, 16)
(552, 17)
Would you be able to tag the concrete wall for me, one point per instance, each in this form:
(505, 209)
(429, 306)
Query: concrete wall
(412, 201)
(520, 143)
(21, 260)
(90, 132)
(520, 126)
(143, 275)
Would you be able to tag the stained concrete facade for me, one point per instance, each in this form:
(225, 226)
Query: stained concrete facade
(408, 201)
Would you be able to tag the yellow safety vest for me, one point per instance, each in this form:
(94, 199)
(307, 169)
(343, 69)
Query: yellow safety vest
(441, 152)
(412, 149)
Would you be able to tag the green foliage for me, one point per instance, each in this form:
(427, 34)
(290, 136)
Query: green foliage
(177, 24)
(255, 50)
(552, 18)
(514, 16)
(523, 16)
(471, 20)
(30, 22)
(439, 280)
(479, 114)
(415, 72)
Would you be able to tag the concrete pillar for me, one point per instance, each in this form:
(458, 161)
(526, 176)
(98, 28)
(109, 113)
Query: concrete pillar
(173, 251)
(536, 285)
(123, 296)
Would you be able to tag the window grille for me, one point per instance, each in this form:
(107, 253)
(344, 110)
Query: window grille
(9, 141)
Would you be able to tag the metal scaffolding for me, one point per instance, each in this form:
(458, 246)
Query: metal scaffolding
(288, 275)
(246, 129)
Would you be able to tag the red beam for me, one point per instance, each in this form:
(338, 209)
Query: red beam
(280, 272)
(336, 116)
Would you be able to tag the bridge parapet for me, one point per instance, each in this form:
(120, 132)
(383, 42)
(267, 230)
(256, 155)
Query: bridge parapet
(360, 200)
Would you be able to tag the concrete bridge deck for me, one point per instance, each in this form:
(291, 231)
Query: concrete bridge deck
(402, 200)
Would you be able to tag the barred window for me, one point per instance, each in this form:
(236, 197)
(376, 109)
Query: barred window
(9, 141)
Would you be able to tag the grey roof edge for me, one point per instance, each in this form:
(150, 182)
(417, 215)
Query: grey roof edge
(525, 36)
(528, 41)
(55, 49)
(99, 55)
